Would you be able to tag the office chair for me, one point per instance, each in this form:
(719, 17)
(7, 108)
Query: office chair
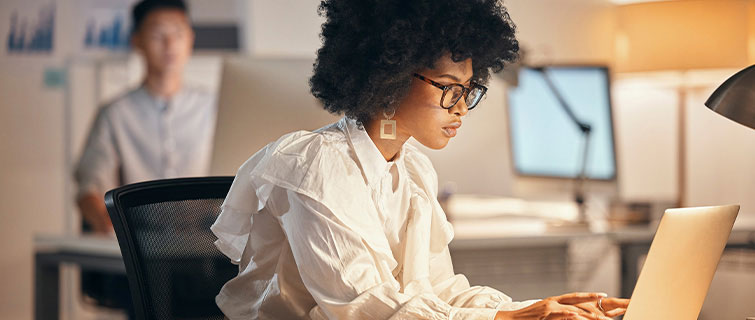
(174, 270)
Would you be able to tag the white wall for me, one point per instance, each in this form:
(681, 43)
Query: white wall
(646, 136)
(552, 30)
(283, 28)
(31, 183)
(720, 156)
(557, 31)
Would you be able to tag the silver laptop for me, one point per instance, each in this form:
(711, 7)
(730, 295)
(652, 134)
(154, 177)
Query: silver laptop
(681, 263)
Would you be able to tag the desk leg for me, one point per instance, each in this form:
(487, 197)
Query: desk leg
(46, 289)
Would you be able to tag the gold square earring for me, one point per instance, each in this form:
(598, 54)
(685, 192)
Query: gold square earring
(388, 126)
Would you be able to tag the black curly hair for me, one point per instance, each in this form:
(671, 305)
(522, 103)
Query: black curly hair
(371, 48)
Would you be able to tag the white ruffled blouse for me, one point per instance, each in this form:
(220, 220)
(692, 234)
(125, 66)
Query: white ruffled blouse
(322, 227)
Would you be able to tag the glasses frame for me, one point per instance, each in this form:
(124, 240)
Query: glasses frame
(465, 91)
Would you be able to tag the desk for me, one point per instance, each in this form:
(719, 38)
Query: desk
(633, 243)
(548, 263)
(98, 253)
(88, 252)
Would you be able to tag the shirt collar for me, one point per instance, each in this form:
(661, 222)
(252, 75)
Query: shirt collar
(373, 164)
(159, 103)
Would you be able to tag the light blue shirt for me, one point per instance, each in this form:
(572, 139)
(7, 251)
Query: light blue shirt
(141, 137)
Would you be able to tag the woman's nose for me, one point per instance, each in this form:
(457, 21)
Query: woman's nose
(460, 108)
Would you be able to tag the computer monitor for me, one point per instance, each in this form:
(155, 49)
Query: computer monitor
(261, 99)
(546, 144)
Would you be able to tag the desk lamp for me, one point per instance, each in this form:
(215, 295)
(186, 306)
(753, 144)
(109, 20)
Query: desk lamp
(735, 98)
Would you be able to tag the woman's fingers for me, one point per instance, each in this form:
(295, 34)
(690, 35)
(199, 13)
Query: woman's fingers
(616, 312)
(614, 303)
(581, 313)
(570, 315)
(553, 305)
(574, 306)
(579, 297)
(591, 307)
(562, 315)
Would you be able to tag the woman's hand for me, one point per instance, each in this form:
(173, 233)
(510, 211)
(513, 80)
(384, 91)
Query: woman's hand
(612, 307)
(562, 307)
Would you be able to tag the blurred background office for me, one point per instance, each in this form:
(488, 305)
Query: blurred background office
(639, 71)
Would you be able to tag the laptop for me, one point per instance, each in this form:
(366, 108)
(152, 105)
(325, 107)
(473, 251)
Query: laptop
(681, 263)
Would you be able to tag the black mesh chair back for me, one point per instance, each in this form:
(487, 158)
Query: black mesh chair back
(163, 228)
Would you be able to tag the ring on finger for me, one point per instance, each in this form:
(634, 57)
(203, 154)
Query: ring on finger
(600, 305)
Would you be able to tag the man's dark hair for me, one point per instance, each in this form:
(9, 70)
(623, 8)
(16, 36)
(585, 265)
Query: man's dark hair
(142, 9)
(371, 48)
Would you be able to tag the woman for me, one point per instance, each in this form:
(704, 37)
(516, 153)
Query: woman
(344, 222)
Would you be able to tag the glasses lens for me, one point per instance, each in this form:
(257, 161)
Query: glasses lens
(452, 96)
(474, 97)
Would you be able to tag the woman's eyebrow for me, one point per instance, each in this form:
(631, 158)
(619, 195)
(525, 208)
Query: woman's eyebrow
(454, 78)
(450, 76)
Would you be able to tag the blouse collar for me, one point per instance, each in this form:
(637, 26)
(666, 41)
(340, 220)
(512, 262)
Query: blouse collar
(373, 164)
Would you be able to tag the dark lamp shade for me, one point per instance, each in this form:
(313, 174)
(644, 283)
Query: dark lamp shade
(735, 98)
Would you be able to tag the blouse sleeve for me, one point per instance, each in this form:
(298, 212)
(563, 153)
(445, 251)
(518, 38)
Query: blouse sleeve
(339, 271)
(243, 200)
(455, 289)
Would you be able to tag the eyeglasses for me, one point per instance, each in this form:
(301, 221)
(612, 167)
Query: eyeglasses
(452, 93)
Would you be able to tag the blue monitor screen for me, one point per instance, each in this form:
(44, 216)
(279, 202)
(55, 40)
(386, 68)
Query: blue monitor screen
(545, 141)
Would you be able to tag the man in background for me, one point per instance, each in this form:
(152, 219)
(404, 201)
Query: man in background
(162, 129)
(159, 130)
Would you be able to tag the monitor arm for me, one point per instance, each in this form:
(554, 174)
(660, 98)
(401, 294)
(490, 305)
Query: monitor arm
(583, 127)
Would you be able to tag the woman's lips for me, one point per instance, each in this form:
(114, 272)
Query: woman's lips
(450, 131)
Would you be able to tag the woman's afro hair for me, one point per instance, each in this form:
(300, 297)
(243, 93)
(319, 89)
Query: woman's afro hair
(371, 48)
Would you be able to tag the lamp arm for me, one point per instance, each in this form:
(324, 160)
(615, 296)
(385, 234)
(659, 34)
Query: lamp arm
(582, 126)
(579, 188)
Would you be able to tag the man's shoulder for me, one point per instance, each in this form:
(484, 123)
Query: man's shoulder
(197, 99)
(199, 93)
(121, 103)
(197, 90)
